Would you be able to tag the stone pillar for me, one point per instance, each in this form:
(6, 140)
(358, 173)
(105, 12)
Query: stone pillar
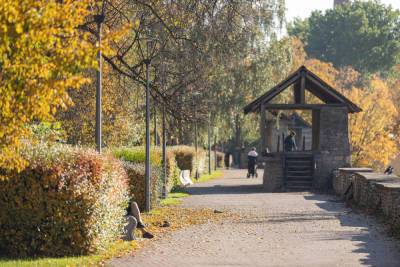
(334, 146)
(273, 174)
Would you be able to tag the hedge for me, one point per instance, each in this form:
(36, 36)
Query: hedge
(220, 160)
(186, 158)
(68, 201)
(135, 158)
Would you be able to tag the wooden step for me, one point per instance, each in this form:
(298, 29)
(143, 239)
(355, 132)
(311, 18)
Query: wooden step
(299, 178)
(300, 172)
(297, 162)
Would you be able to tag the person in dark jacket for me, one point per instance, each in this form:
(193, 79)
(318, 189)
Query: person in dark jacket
(133, 221)
(290, 143)
(252, 163)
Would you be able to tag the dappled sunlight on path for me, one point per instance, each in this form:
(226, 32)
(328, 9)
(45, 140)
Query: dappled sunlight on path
(270, 229)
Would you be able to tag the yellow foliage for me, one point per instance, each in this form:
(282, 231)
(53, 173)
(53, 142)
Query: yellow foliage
(372, 131)
(43, 55)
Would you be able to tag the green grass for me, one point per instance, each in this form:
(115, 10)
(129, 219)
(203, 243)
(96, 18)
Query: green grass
(115, 250)
(207, 177)
(174, 198)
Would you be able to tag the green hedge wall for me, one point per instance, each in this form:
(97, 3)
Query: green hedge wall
(135, 159)
(68, 201)
(185, 157)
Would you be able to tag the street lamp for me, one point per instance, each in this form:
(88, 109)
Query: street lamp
(147, 62)
(99, 19)
(155, 122)
(164, 149)
(147, 163)
(195, 94)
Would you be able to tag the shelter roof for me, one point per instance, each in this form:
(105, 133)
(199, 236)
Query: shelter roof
(313, 84)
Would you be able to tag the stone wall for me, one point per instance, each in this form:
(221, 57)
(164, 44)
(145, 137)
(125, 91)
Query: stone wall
(343, 177)
(333, 148)
(273, 174)
(373, 192)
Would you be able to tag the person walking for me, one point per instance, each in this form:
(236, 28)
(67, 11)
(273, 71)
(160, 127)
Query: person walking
(252, 163)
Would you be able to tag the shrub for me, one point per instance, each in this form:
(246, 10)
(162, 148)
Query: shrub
(68, 201)
(137, 183)
(186, 158)
(220, 159)
(138, 155)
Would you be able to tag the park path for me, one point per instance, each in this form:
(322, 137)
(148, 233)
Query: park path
(277, 229)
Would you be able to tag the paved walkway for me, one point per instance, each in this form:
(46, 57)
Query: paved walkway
(278, 229)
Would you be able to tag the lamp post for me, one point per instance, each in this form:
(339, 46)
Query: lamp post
(147, 162)
(155, 122)
(99, 19)
(147, 62)
(164, 150)
(215, 152)
(195, 138)
(209, 144)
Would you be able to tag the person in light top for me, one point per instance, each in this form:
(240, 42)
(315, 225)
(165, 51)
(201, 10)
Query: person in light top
(252, 162)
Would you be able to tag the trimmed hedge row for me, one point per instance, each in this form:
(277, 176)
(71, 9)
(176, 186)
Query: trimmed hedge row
(185, 157)
(72, 201)
(220, 159)
(137, 183)
(68, 201)
(135, 158)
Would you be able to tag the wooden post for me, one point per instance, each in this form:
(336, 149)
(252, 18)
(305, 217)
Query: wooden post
(299, 89)
(304, 143)
(262, 128)
(278, 144)
(303, 88)
(283, 142)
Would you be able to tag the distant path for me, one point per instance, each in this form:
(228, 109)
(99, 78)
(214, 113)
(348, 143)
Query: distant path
(280, 229)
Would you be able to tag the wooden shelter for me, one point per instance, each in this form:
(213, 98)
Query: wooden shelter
(330, 138)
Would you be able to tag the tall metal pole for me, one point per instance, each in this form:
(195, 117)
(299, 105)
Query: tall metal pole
(195, 140)
(164, 152)
(147, 165)
(215, 152)
(99, 20)
(155, 123)
(209, 148)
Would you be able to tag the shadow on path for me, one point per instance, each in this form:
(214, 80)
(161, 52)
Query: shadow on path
(369, 240)
(225, 189)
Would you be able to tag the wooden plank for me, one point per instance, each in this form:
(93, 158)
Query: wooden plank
(299, 106)
(255, 105)
(303, 88)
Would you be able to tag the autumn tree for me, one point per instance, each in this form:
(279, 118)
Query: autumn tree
(43, 55)
(372, 131)
(361, 34)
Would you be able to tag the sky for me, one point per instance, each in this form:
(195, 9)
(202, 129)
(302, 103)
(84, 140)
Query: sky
(303, 8)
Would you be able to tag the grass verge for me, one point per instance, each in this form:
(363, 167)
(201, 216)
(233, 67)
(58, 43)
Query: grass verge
(173, 199)
(207, 177)
(116, 249)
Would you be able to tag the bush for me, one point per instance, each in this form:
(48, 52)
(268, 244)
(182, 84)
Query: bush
(220, 159)
(138, 155)
(135, 158)
(137, 183)
(68, 201)
(186, 158)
